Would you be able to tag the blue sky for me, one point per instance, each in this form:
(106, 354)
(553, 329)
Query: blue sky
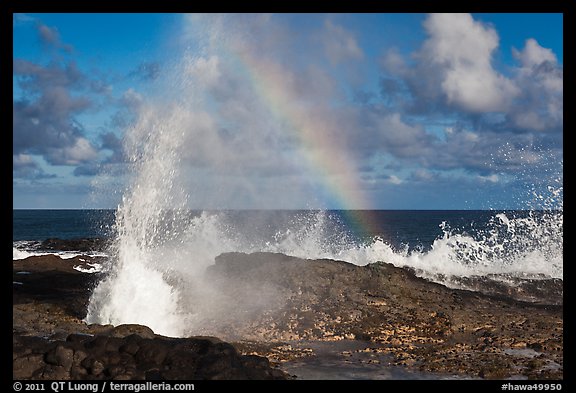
(414, 111)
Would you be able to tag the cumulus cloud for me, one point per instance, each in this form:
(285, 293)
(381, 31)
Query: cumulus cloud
(400, 139)
(275, 115)
(44, 118)
(260, 109)
(35, 77)
(82, 150)
(24, 166)
(492, 122)
(459, 53)
(422, 175)
(493, 178)
(50, 98)
(533, 54)
(339, 43)
(391, 91)
(48, 35)
(540, 105)
(453, 73)
(393, 62)
(395, 179)
(50, 38)
(110, 141)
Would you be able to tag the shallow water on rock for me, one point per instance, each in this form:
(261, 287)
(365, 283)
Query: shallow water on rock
(350, 360)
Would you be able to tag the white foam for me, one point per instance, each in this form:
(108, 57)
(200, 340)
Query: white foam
(136, 293)
(160, 276)
(160, 252)
(18, 254)
(526, 247)
(156, 265)
(94, 268)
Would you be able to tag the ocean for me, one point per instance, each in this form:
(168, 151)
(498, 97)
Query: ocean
(451, 247)
(39, 225)
(398, 227)
(401, 229)
(529, 241)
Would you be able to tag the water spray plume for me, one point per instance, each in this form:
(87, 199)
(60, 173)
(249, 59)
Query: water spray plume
(176, 150)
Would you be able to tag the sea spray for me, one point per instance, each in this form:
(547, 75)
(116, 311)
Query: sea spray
(135, 289)
(161, 249)
(169, 291)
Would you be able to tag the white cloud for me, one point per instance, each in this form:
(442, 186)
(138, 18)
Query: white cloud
(541, 81)
(471, 136)
(395, 136)
(459, 50)
(453, 73)
(81, 151)
(395, 179)
(457, 39)
(533, 54)
(490, 178)
(340, 44)
(393, 62)
(24, 166)
(423, 175)
(22, 160)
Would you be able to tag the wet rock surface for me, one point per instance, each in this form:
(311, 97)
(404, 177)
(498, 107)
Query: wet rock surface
(98, 357)
(421, 324)
(50, 341)
(395, 319)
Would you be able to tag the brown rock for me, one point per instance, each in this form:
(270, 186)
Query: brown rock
(56, 373)
(28, 366)
(267, 298)
(126, 330)
(60, 356)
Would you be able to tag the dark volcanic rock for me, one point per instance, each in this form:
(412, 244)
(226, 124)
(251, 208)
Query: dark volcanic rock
(160, 358)
(126, 330)
(52, 297)
(261, 301)
(421, 323)
(50, 340)
(547, 291)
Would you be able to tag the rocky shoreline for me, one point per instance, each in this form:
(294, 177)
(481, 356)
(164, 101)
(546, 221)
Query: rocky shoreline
(395, 318)
(51, 342)
(420, 324)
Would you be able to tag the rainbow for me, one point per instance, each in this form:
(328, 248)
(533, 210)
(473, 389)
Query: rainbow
(329, 159)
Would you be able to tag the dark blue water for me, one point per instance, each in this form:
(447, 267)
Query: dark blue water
(441, 246)
(399, 228)
(418, 228)
(63, 224)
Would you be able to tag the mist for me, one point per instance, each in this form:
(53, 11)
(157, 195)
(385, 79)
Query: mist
(252, 115)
